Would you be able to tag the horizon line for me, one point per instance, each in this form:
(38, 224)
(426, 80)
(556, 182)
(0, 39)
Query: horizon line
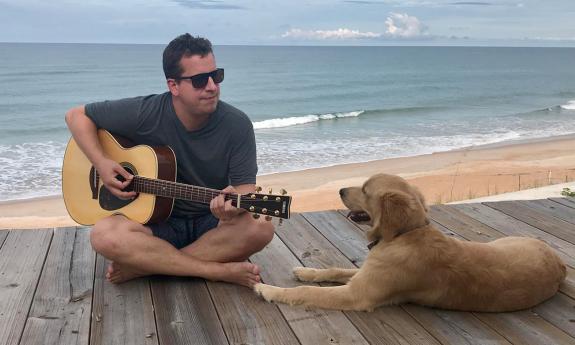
(551, 44)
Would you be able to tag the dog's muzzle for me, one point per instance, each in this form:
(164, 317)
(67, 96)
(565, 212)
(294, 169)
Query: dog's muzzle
(358, 216)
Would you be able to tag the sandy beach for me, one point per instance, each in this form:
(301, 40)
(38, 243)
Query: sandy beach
(442, 177)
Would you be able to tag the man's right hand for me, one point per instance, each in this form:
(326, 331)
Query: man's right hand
(108, 170)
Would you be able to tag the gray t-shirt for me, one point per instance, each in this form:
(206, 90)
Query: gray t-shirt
(221, 153)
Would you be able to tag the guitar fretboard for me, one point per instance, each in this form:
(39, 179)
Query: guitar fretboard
(176, 190)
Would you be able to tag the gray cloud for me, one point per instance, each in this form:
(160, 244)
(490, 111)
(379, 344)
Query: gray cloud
(207, 5)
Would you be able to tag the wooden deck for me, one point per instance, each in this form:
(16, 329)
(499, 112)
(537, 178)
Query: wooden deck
(52, 289)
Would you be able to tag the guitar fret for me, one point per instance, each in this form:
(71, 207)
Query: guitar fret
(177, 190)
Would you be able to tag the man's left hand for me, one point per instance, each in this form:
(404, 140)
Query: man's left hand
(222, 208)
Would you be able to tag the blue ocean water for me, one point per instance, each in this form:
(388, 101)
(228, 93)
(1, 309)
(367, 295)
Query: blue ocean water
(311, 106)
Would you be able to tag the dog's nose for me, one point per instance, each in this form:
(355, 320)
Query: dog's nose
(342, 192)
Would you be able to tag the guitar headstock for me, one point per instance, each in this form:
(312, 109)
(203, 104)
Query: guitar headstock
(269, 205)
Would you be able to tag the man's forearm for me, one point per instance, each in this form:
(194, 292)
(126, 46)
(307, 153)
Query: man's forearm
(85, 134)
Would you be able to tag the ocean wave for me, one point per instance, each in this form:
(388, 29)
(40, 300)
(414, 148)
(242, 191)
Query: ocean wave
(303, 119)
(300, 120)
(569, 106)
(30, 169)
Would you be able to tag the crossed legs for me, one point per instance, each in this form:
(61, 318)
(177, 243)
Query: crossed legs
(218, 255)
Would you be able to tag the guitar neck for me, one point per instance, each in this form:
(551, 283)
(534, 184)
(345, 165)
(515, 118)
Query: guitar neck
(264, 204)
(177, 190)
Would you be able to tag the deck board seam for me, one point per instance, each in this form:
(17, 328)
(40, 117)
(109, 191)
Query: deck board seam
(93, 295)
(520, 220)
(151, 291)
(557, 202)
(36, 286)
(216, 310)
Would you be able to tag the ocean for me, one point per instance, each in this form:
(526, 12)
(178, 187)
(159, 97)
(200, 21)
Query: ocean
(310, 106)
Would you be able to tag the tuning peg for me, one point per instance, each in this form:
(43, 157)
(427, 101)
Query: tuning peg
(280, 222)
(256, 216)
(283, 191)
(258, 189)
(268, 218)
(270, 191)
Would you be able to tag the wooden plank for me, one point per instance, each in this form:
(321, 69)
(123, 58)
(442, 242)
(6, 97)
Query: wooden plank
(550, 224)
(123, 313)
(3, 235)
(62, 304)
(21, 259)
(248, 320)
(512, 227)
(446, 326)
(526, 327)
(330, 224)
(533, 328)
(185, 313)
(467, 227)
(567, 201)
(314, 326)
(563, 212)
(453, 327)
(560, 311)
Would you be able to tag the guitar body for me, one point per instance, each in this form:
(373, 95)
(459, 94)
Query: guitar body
(86, 198)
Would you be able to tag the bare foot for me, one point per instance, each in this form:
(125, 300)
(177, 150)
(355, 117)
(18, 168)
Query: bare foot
(117, 273)
(242, 273)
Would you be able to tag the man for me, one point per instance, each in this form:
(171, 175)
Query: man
(214, 145)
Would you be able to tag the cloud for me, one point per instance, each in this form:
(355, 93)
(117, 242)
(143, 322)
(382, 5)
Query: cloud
(365, 2)
(207, 4)
(398, 26)
(404, 26)
(472, 3)
(339, 34)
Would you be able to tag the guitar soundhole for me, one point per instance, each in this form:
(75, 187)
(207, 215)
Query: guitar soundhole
(109, 201)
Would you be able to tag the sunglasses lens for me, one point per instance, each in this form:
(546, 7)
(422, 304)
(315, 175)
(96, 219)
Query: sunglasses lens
(218, 75)
(200, 81)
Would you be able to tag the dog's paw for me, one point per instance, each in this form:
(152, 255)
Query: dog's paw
(304, 274)
(266, 291)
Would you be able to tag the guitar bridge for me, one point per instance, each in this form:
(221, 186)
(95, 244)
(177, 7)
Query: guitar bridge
(94, 181)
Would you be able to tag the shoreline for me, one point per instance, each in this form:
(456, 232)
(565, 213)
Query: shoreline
(500, 144)
(446, 176)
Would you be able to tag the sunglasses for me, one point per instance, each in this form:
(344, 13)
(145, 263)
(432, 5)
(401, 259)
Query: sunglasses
(199, 81)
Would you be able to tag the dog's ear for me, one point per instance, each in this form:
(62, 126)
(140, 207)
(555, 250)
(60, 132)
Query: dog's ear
(400, 213)
(421, 198)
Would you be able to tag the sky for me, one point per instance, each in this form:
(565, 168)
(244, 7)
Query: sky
(293, 22)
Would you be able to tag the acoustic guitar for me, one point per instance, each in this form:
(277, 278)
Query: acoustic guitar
(154, 168)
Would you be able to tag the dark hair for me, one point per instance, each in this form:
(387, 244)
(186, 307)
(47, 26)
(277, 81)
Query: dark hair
(183, 45)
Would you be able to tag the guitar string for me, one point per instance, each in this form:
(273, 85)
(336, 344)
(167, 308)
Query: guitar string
(177, 190)
(170, 188)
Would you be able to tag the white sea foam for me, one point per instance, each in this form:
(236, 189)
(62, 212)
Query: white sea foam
(300, 120)
(30, 170)
(569, 106)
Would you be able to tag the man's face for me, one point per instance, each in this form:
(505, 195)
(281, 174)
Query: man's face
(197, 100)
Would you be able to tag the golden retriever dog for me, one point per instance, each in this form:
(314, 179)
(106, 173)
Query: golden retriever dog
(414, 262)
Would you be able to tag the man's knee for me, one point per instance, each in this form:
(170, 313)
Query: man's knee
(105, 235)
(259, 234)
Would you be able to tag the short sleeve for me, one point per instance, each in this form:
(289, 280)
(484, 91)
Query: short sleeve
(117, 116)
(243, 160)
